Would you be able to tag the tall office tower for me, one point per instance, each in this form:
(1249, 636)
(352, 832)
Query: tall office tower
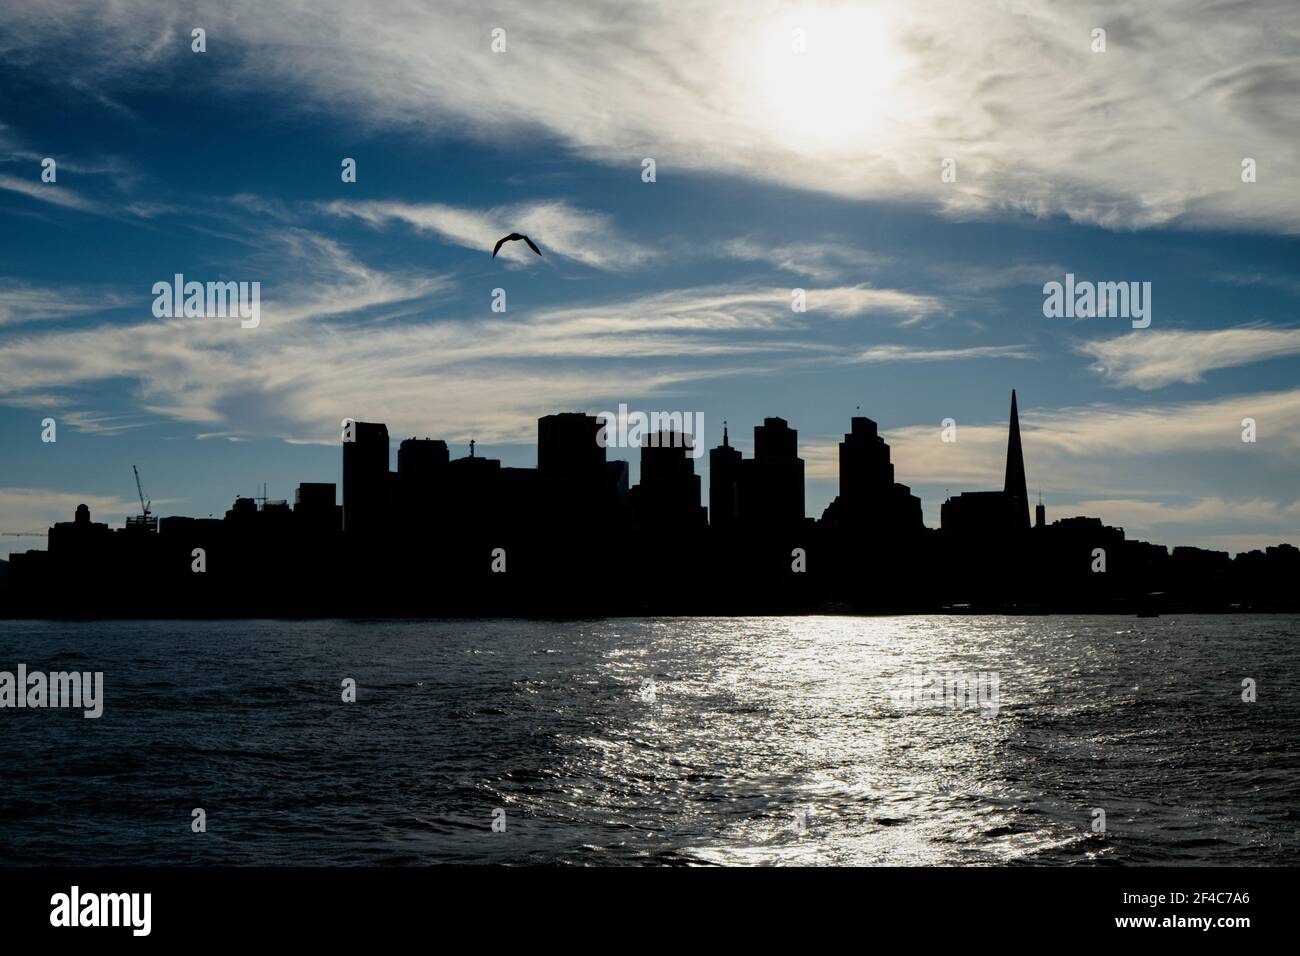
(420, 485)
(365, 478)
(668, 494)
(870, 498)
(1014, 486)
(1040, 513)
(866, 472)
(771, 486)
(567, 444)
(575, 480)
(724, 481)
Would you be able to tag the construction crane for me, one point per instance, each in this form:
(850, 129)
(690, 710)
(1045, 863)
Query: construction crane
(144, 521)
(23, 534)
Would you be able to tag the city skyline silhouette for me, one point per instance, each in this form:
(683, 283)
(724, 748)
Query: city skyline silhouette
(469, 536)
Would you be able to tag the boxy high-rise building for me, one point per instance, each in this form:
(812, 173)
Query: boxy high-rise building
(365, 479)
(668, 494)
(771, 485)
(575, 477)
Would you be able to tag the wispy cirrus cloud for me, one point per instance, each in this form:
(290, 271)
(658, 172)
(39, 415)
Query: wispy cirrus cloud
(721, 309)
(310, 364)
(1287, 283)
(22, 302)
(826, 260)
(583, 236)
(49, 192)
(904, 353)
(1151, 359)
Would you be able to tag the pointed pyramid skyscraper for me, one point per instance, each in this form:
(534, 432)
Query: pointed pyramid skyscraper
(1015, 480)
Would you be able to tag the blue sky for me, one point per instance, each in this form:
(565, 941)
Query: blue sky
(776, 170)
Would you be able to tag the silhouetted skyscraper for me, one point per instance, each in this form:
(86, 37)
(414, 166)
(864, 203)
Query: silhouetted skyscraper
(567, 445)
(869, 497)
(421, 479)
(1014, 485)
(771, 486)
(575, 476)
(668, 494)
(993, 515)
(865, 468)
(724, 481)
(365, 478)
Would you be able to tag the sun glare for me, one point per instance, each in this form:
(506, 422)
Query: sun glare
(823, 79)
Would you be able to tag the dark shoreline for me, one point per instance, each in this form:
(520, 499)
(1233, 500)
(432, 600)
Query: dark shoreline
(660, 614)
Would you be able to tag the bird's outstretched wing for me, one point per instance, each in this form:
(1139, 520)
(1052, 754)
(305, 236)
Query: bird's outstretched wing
(510, 238)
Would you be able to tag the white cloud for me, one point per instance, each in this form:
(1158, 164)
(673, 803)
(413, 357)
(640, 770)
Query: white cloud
(1259, 522)
(300, 372)
(1151, 359)
(1150, 132)
(21, 302)
(48, 192)
(557, 228)
(721, 310)
(824, 261)
(902, 353)
(1148, 514)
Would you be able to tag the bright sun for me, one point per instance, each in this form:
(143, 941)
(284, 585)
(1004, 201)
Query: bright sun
(822, 79)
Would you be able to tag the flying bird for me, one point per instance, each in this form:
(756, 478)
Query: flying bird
(510, 238)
